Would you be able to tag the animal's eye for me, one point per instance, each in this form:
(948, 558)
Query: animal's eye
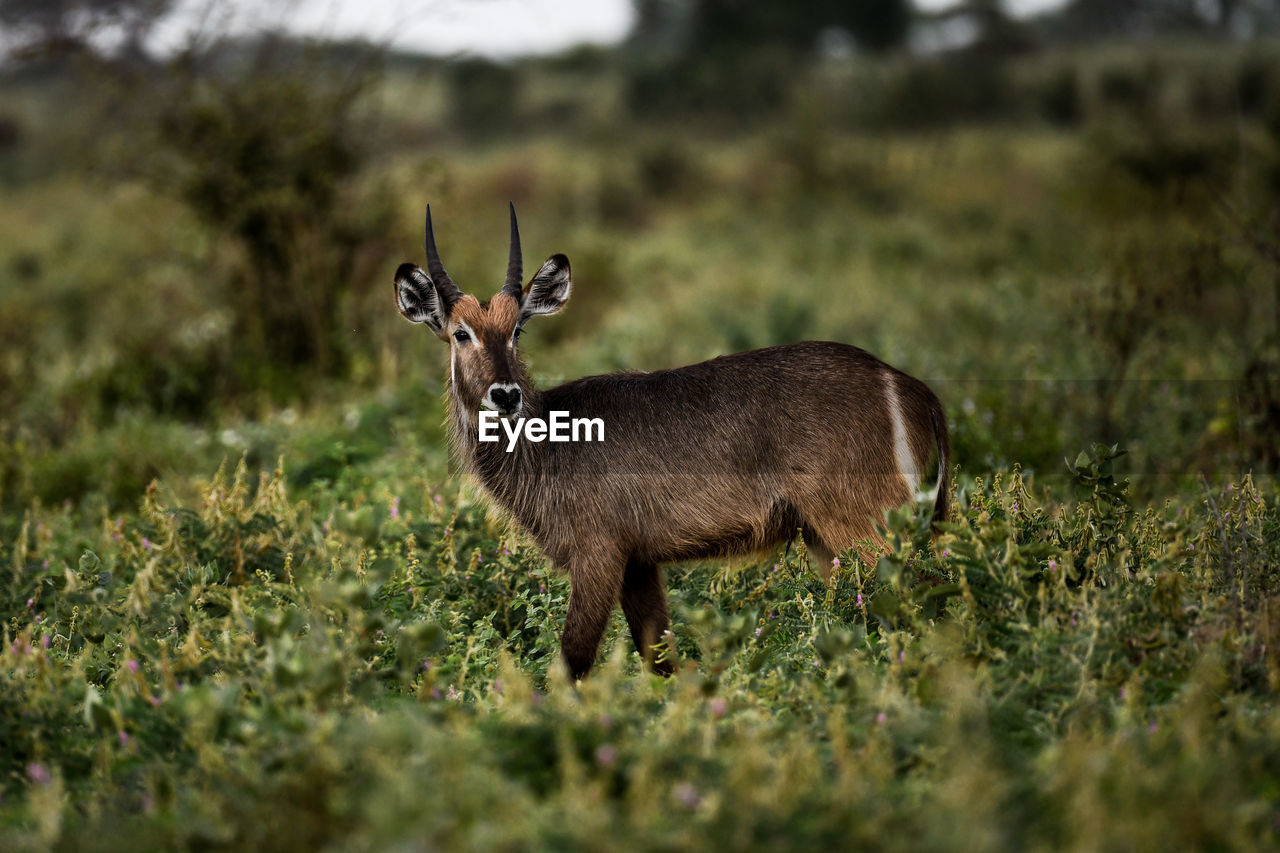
(461, 336)
(515, 336)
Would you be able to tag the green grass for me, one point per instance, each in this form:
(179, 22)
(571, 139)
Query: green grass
(374, 665)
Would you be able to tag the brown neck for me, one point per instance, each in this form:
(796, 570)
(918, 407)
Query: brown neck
(512, 479)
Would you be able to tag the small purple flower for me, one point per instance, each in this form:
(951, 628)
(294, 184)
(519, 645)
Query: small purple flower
(38, 773)
(816, 664)
(124, 738)
(858, 603)
(156, 701)
(945, 553)
(719, 707)
(902, 657)
(835, 562)
(395, 507)
(146, 543)
(453, 695)
(1053, 565)
(435, 693)
(606, 754)
(426, 666)
(44, 641)
(133, 666)
(1151, 729)
(506, 551)
(1015, 506)
(686, 795)
(882, 718)
(31, 602)
(542, 587)
(759, 631)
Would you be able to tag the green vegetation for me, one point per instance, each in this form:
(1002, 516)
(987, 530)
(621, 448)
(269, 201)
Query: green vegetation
(332, 641)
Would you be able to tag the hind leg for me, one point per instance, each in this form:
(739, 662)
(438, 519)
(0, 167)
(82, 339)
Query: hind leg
(644, 603)
(853, 528)
(830, 540)
(846, 514)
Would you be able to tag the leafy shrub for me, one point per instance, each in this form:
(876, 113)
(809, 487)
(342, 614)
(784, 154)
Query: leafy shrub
(256, 670)
(266, 153)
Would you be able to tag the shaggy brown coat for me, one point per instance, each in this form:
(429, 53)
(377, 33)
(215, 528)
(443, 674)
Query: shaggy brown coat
(728, 456)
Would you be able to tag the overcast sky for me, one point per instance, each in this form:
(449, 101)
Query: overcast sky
(489, 27)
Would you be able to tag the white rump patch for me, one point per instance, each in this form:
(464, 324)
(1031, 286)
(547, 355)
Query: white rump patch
(901, 447)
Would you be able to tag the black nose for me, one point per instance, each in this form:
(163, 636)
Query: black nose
(507, 400)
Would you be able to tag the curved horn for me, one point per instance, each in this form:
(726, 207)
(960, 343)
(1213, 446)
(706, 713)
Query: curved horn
(448, 290)
(513, 284)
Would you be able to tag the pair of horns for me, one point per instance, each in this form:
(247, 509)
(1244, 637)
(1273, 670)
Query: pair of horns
(515, 271)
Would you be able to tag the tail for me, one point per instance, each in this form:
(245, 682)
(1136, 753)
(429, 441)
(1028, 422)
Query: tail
(943, 436)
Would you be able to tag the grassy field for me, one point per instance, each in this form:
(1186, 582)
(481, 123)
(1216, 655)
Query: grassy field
(249, 614)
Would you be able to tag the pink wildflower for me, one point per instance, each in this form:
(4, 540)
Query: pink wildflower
(686, 795)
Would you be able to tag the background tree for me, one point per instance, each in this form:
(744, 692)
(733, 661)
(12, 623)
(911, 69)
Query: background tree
(739, 56)
(43, 27)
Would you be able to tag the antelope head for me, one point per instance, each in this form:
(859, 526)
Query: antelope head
(485, 368)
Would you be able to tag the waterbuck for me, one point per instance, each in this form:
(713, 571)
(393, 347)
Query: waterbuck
(729, 456)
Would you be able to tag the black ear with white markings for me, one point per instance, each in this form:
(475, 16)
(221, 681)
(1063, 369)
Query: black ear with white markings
(419, 300)
(549, 288)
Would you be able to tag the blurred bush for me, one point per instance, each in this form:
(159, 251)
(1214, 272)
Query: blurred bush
(484, 97)
(266, 149)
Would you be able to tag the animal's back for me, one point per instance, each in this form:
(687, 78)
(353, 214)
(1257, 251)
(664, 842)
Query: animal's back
(736, 453)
